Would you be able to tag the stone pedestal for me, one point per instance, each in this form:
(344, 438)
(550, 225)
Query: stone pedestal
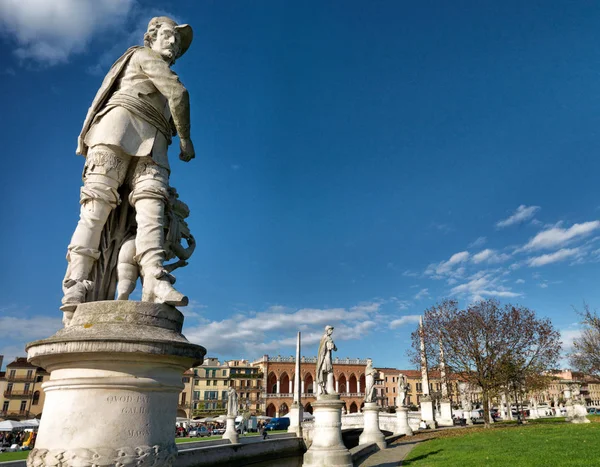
(403, 428)
(576, 413)
(371, 432)
(296, 415)
(230, 432)
(445, 414)
(327, 448)
(115, 379)
(427, 411)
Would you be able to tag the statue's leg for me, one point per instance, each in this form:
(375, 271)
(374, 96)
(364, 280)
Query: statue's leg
(127, 270)
(104, 171)
(149, 196)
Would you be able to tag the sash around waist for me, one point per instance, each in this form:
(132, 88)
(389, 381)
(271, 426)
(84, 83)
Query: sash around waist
(142, 109)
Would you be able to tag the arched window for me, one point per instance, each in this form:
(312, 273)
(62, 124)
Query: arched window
(36, 398)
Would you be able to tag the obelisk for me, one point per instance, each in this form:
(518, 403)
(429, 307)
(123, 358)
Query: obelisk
(296, 412)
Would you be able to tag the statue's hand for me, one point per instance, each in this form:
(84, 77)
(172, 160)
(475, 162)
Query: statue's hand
(187, 149)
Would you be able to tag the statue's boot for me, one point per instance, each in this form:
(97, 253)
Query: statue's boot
(149, 243)
(76, 285)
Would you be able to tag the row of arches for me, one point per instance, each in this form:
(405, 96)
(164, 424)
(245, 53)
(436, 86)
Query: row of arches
(285, 384)
(273, 411)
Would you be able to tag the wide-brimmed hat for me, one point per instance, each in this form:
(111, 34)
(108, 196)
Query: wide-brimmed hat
(185, 32)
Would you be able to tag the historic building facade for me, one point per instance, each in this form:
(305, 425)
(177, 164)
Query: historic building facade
(278, 382)
(205, 388)
(22, 395)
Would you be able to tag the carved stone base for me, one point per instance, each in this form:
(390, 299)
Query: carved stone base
(230, 432)
(371, 432)
(296, 415)
(327, 448)
(115, 379)
(427, 413)
(402, 426)
(445, 414)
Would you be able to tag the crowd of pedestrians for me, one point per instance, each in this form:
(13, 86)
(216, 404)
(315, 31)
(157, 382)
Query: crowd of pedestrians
(17, 440)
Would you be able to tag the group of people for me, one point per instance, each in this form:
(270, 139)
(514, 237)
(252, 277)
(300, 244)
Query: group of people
(20, 440)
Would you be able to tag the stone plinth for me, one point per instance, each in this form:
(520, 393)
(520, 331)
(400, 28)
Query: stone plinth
(327, 448)
(115, 379)
(230, 431)
(427, 413)
(296, 415)
(445, 414)
(371, 432)
(576, 413)
(403, 428)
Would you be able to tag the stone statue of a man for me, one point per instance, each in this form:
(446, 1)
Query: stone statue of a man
(370, 373)
(232, 402)
(324, 373)
(402, 389)
(139, 107)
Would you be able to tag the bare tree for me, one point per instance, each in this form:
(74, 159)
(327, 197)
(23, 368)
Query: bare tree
(585, 355)
(490, 345)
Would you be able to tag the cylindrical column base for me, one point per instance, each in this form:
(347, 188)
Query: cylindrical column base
(327, 448)
(402, 426)
(230, 433)
(115, 379)
(371, 432)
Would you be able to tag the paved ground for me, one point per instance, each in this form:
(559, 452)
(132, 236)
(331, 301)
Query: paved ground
(395, 452)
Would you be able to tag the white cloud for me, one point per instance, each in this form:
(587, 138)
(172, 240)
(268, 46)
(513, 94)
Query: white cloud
(555, 257)
(409, 273)
(28, 329)
(423, 293)
(520, 281)
(479, 242)
(409, 319)
(445, 267)
(568, 336)
(490, 256)
(253, 333)
(557, 236)
(543, 285)
(522, 214)
(483, 284)
(50, 31)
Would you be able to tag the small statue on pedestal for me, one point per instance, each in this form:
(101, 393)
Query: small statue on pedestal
(324, 373)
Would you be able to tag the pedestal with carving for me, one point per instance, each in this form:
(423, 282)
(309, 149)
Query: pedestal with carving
(427, 414)
(230, 432)
(371, 432)
(296, 415)
(327, 448)
(115, 379)
(402, 426)
(445, 414)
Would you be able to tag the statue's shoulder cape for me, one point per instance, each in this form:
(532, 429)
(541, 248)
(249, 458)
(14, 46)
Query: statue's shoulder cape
(103, 95)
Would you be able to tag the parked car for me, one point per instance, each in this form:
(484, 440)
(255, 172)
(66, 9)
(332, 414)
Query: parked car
(594, 411)
(278, 424)
(199, 432)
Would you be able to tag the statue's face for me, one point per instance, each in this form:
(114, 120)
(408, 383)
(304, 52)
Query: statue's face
(329, 331)
(167, 42)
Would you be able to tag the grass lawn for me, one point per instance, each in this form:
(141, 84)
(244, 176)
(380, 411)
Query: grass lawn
(539, 443)
(13, 456)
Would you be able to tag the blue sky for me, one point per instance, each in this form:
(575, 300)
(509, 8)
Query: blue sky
(356, 162)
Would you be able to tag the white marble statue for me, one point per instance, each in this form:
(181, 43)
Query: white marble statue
(370, 373)
(232, 402)
(139, 107)
(324, 373)
(402, 390)
(176, 230)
